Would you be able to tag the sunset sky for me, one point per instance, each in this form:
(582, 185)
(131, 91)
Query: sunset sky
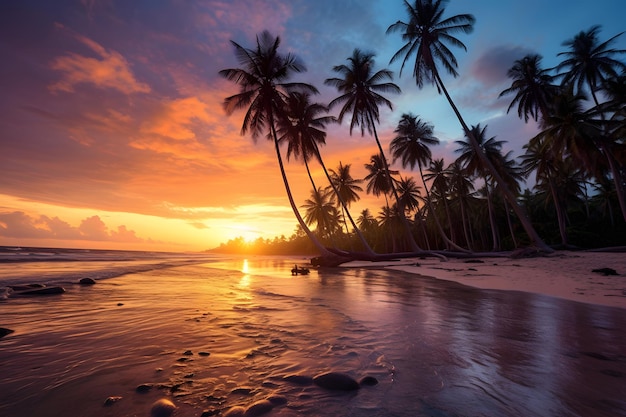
(112, 132)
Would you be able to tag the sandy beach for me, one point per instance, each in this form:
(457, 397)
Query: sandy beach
(242, 337)
(564, 274)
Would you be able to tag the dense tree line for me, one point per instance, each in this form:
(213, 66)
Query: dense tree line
(475, 202)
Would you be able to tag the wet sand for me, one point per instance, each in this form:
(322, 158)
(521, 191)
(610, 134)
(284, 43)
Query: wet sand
(564, 274)
(218, 336)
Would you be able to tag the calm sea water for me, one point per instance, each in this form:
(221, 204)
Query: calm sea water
(216, 333)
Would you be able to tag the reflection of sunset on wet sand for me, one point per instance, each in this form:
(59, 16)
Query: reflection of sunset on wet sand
(236, 332)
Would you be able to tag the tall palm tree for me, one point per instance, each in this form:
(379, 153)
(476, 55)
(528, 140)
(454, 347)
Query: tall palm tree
(303, 129)
(533, 88)
(589, 62)
(263, 89)
(411, 146)
(426, 34)
(544, 161)
(438, 176)
(474, 164)
(461, 188)
(360, 91)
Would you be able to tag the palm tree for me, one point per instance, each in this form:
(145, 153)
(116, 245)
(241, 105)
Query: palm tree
(411, 146)
(360, 91)
(426, 35)
(321, 211)
(263, 88)
(409, 193)
(544, 161)
(533, 87)
(462, 188)
(474, 165)
(591, 63)
(303, 129)
(346, 186)
(437, 174)
(379, 180)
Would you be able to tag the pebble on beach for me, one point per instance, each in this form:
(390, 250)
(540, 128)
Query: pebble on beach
(162, 408)
(336, 381)
(87, 281)
(111, 400)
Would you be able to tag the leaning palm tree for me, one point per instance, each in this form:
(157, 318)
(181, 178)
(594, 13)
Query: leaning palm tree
(533, 88)
(426, 34)
(262, 80)
(360, 91)
(590, 63)
(303, 129)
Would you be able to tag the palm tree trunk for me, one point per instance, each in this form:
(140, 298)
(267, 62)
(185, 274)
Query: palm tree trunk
(559, 212)
(492, 220)
(294, 208)
(510, 224)
(519, 211)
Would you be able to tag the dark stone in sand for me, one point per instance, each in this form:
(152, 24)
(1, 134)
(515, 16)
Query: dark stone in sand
(188, 353)
(369, 381)
(277, 399)
(162, 408)
(258, 408)
(87, 281)
(111, 400)
(299, 379)
(209, 413)
(5, 331)
(143, 388)
(42, 291)
(605, 271)
(336, 381)
(235, 411)
(474, 261)
(120, 304)
(242, 391)
(204, 353)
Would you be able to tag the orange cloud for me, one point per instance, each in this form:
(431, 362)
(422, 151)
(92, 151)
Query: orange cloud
(177, 118)
(109, 70)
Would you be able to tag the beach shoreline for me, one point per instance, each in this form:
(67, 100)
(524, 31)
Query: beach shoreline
(563, 274)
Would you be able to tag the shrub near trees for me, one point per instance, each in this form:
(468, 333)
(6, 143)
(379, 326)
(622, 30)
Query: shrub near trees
(474, 203)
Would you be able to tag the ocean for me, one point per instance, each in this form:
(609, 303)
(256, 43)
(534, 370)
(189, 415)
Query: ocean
(241, 336)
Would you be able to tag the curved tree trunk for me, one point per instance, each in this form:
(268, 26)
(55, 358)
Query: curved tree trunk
(323, 250)
(519, 211)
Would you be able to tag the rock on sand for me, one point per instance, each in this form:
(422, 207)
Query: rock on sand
(5, 331)
(162, 408)
(336, 381)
